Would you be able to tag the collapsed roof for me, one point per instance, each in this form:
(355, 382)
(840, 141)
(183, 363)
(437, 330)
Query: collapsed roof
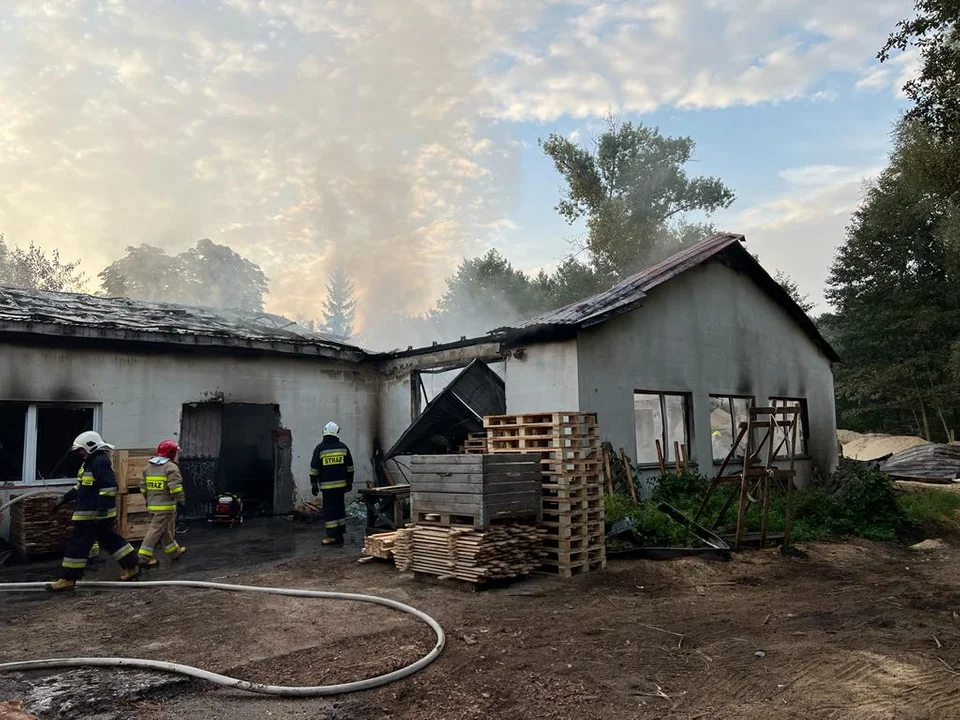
(455, 413)
(39, 312)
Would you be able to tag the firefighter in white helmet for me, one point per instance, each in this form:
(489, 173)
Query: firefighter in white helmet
(94, 515)
(331, 472)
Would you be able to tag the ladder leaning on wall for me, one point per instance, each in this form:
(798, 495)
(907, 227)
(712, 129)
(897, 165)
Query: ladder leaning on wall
(760, 440)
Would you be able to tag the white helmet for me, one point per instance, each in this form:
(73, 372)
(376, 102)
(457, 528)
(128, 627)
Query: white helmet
(331, 428)
(91, 442)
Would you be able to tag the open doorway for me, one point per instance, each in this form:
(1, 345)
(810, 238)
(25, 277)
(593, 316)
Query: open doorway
(232, 448)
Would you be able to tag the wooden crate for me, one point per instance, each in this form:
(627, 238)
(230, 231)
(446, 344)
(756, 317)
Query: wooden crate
(474, 490)
(128, 466)
(132, 516)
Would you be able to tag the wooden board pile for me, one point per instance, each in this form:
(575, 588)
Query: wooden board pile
(568, 447)
(37, 528)
(380, 545)
(500, 552)
(475, 444)
(133, 520)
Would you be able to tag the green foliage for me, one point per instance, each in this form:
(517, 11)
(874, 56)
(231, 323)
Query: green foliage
(935, 31)
(932, 512)
(859, 501)
(208, 274)
(793, 290)
(633, 190)
(895, 284)
(33, 269)
(340, 306)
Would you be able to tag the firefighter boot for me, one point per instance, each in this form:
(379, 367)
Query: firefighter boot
(332, 542)
(178, 553)
(149, 562)
(130, 573)
(61, 585)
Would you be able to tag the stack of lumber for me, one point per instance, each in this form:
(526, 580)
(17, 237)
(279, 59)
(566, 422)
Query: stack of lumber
(500, 552)
(567, 445)
(36, 527)
(133, 520)
(474, 490)
(380, 545)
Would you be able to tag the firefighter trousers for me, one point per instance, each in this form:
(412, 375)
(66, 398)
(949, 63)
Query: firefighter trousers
(85, 534)
(334, 513)
(161, 534)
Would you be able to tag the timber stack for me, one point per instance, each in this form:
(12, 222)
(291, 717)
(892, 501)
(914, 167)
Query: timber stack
(380, 545)
(37, 527)
(475, 518)
(567, 445)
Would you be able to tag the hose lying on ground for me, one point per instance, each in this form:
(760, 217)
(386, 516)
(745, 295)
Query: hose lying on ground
(223, 680)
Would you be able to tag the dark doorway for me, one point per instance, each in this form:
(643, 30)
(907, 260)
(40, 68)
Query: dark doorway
(231, 447)
(57, 428)
(13, 418)
(246, 454)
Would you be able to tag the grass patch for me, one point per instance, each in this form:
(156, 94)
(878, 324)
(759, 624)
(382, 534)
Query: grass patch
(932, 512)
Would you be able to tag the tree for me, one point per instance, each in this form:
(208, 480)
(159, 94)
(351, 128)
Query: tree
(32, 269)
(793, 290)
(935, 92)
(208, 274)
(570, 282)
(340, 306)
(895, 284)
(634, 193)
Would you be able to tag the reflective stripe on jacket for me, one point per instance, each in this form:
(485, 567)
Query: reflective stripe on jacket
(162, 485)
(95, 493)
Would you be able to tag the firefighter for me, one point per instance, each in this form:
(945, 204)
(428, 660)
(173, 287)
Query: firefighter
(94, 515)
(331, 472)
(162, 487)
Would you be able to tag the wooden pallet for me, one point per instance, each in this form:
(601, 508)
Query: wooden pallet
(380, 545)
(579, 569)
(551, 419)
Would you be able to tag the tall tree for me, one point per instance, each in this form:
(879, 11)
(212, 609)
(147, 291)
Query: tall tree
(793, 290)
(895, 284)
(935, 32)
(33, 269)
(207, 274)
(634, 192)
(341, 304)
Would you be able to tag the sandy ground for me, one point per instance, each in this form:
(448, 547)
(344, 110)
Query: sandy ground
(853, 631)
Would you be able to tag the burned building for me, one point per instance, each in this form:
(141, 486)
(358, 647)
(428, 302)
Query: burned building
(676, 353)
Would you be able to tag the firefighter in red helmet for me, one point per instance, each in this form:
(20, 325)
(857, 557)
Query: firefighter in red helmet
(162, 487)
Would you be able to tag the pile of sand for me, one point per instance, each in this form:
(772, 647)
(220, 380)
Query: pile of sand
(870, 446)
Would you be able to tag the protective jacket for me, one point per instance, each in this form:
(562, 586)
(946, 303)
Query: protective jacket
(332, 465)
(96, 490)
(162, 485)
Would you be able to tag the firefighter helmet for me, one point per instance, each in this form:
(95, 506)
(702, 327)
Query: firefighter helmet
(90, 441)
(168, 449)
(331, 428)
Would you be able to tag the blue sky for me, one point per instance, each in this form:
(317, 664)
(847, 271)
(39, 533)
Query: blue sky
(397, 138)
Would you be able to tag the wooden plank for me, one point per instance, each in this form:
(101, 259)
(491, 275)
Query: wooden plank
(663, 467)
(628, 474)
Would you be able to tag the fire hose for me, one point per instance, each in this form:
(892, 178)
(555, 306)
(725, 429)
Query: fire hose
(224, 680)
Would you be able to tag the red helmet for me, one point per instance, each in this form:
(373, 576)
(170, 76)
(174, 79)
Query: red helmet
(168, 449)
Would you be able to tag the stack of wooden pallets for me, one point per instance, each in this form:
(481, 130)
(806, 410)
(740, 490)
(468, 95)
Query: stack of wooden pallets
(475, 444)
(380, 545)
(568, 447)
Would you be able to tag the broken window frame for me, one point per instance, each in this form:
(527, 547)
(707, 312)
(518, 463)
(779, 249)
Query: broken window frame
(734, 427)
(802, 451)
(665, 440)
(30, 437)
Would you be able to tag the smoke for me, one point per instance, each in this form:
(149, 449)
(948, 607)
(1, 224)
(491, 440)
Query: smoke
(301, 134)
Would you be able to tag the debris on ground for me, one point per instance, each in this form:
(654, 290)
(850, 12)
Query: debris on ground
(932, 463)
(13, 710)
(930, 545)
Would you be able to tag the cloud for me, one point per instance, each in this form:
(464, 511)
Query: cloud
(799, 230)
(307, 134)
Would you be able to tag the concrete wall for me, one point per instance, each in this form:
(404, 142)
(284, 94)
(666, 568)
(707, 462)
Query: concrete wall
(709, 331)
(543, 377)
(143, 393)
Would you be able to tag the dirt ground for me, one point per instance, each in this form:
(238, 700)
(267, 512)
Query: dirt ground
(852, 631)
